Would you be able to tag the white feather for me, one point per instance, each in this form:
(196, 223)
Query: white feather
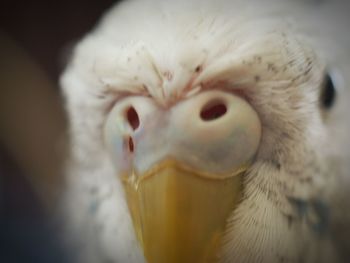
(155, 48)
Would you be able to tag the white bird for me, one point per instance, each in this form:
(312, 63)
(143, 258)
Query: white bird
(210, 131)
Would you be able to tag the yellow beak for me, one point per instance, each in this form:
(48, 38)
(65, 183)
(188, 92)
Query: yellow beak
(179, 214)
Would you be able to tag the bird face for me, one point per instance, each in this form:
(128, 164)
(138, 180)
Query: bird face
(210, 120)
(181, 168)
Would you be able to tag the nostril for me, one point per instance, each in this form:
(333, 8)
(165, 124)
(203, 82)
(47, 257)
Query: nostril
(131, 145)
(213, 110)
(133, 118)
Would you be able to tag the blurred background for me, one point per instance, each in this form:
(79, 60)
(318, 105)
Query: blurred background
(35, 40)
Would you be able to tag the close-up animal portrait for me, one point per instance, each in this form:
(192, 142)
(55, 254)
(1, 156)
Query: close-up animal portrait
(188, 131)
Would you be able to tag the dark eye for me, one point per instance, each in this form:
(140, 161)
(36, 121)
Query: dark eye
(328, 93)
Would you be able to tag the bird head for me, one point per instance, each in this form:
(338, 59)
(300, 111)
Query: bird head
(211, 120)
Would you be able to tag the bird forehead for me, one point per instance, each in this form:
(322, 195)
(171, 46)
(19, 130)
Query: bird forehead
(174, 54)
